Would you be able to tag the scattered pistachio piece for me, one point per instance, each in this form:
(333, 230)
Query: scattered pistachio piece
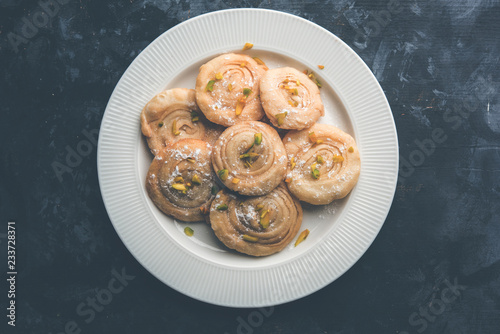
(188, 184)
(214, 190)
(239, 106)
(286, 81)
(319, 141)
(314, 171)
(243, 64)
(249, 238)
(302, 236)
(338, 158)
(210, 85)
(160, 124)
(247, 46)
(281, 117)
(321, 67)
(263, 213)
(249, 155)
(223, 174)
(229, 87)
(294, 91)
(257, 138)
(222, 207)
(218, 76)
(319, 159)
(297, 82)
(292, 163)
(312, 137)
(178, 186)
(350, 149)
(188, 231)
(179, 179)
(191, 160)
(264, 221)
(259, 61)
(318, 84)
(259, 207)
(196, 179)
(235, 180)
(247, 91)
(194, 116)
(248, 164)
(174, 128)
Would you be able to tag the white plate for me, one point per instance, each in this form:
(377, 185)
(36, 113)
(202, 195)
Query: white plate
(200, 266)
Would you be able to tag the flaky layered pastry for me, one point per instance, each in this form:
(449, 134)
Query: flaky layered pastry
(173, 115)
(250, 158)
(180, 180)
(324, 163)
(290, 99)
(227, 89)
(257, 226)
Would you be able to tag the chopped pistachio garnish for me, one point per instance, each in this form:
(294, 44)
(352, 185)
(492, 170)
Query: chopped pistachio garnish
(259, 61)
(188, 184)
(259, 207)
(235, 180)
(178, 186)
(210, 85)
(223, 174)
(292, 163)
(247, 46)
(249, 155)
(160, 124)
(293, 103)
(179, 179)
(248, 164)
(263, 213)
(188, 231)
(350, 149)
(222, 207)
(247, 91)
(218, 76)
(257, 138)
(174, 128)
(338, 158)
(321, 67)
(249, 238)
(229, 87)
(314, 171)
(281, 117)
(318, 83)
(264, 221)
(288, 180)
(239, 106)
(214, 190)
(302, 236)
(294, 91)
(243, 64)
(196, 179)
(319, 159)
(191, 160)
(319, 141)
(194, 116)
(312, 137)
(297, 82)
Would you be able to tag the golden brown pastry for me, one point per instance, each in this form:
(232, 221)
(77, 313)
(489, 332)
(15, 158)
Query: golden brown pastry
(290, 99)
(180, 180)
(227, 89)
(257, 226)
(250, 158)
(324, 163)
(173, 115)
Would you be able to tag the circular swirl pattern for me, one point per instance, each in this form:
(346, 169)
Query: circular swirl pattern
(173, 115)
(250, 158)
(290, 99)
(180, 181)
(257, 226)
(227, 89)
(324, 163)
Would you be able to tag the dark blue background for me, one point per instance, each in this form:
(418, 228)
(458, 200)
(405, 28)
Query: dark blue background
(438, 63)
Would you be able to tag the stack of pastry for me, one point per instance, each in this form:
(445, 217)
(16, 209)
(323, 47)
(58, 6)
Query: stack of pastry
(219, 157)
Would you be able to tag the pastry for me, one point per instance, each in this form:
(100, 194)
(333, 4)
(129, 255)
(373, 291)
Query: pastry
(290, 99)
(324, 163)
(257, 226)
(173, 115)
(180, 181)
(227, 89)
(250, 158)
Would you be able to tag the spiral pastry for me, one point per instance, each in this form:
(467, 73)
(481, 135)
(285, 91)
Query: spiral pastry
(324, 163)
(227, 89)
(250, 158)
(290, 99)
(257, 226)
(173, 115)
(180, 181)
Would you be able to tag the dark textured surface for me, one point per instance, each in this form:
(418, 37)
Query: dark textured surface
(438, 63)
